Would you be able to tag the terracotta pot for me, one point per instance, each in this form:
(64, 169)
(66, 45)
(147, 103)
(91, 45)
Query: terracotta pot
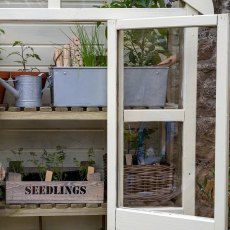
(4, 75)
(18, 73)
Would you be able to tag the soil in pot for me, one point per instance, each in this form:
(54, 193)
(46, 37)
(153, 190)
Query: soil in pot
(5, 76)
(68, 176)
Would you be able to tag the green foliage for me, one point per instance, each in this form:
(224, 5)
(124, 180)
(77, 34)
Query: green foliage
(83, 168)
(131, 137)
(52, 161)
(93, 53)
(39, 164)
(135, 3)
(26, 52)
(143, 47)
(16, 164)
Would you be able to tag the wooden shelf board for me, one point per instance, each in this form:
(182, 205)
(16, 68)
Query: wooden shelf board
(23, 212)
(54, 115)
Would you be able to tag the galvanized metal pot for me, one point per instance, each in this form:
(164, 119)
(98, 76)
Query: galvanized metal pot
(27, 91)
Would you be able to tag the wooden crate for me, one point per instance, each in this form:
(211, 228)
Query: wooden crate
(54, 192)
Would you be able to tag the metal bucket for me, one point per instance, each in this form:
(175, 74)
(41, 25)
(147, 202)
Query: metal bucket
(30, 91)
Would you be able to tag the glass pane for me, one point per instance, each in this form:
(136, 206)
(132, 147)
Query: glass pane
(152, 166)
(152, 76)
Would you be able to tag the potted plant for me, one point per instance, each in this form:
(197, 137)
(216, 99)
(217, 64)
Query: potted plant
(25, 54)
(84, 83)
(3, 74)
(59, 188)
(145, 83)
(16, 168)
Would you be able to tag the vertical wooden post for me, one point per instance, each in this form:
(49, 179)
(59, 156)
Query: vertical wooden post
(112, 125)
(222, 124)
(120, 116)
(189, 126)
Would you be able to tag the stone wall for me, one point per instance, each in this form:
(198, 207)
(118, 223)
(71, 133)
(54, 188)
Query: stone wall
(206, 113)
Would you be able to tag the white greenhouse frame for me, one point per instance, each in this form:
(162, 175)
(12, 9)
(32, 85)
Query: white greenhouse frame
(119, 19)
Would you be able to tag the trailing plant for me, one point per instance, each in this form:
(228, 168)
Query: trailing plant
(93, 53)
(25, 54)
(16, 164)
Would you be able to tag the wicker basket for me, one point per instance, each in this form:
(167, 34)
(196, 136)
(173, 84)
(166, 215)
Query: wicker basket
(148, 183)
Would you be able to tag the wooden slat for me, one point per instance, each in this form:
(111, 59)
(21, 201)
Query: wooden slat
(136, 220)
(189, 126)
(165, 22)
(52, 115)
(112, 125)
(222, 124)
(95, 14)
(44, 192)
(154, 115)
(75, 211)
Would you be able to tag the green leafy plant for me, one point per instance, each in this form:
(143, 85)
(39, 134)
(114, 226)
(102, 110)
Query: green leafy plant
(84, 167)
(25, 54)
(16, 164)
(143, 47)
(52, 161)
(93, 53)
(135, 3)
(39, 164)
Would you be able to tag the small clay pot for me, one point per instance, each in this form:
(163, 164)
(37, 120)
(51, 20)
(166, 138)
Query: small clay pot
(5, 76)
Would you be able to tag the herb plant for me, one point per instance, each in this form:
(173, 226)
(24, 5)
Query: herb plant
(16, 164)
(93, 53)
(39, 164)
(26, 53)
(54, 162)
(50, 161)
(143, 47)
(83, 167)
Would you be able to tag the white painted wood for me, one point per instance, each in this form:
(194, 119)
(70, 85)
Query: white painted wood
(222, 124)
(120, 117)
(154, 115)
(43, 34)
(177, 210)
(54, 4)
(94, 14)
(203, 7)
(189, 127)
(164, 22)
(136, 220)
(112, 125)
(44, 3)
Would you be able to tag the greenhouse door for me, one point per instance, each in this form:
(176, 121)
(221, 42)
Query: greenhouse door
(143, 208)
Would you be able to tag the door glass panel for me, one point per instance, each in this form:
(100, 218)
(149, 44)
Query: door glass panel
(152, 165)
(152, 76)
